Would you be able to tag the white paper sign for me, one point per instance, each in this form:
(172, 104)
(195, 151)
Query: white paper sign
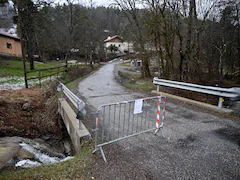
(138, 106)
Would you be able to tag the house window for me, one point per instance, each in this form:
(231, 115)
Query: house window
(9, 46)
(119, 45)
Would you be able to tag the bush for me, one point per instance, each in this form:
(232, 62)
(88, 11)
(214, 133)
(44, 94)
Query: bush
(77, 71)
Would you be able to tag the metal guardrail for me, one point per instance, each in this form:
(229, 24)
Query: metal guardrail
(78, 103)
(122, 120)
(232, 93)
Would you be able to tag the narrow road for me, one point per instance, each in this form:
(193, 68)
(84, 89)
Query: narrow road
(101, 88)
(199, 144)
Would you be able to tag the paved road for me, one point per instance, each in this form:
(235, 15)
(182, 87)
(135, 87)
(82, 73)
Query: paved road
(199, 145)
(101, 88)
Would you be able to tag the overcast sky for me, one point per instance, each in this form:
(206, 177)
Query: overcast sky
(87, 2)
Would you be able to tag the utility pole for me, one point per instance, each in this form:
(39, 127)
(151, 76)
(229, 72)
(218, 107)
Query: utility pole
(21, 40)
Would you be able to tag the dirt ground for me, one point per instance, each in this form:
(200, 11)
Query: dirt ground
(29, 121)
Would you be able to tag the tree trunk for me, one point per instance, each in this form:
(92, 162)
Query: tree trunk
(131, 12)
(189, 65)
(238, 27)
(22, 44)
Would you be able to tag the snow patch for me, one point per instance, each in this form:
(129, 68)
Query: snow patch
(26, 163)
(14, 83)
(40, 157)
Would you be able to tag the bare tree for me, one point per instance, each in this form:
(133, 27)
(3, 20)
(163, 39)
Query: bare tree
(132, 12)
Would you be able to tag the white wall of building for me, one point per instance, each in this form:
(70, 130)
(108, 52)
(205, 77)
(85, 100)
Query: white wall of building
(122, 46)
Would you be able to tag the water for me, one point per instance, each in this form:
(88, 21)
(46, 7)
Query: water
(40, 158)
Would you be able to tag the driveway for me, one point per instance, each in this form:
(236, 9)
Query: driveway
(199, 144)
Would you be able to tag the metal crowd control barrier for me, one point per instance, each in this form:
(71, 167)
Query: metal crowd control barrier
(121, 120)
(78, 103)
(232, 93)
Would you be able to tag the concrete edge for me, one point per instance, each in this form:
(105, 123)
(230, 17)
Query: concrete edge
(72, 125)
(197, 103)
(75, 122)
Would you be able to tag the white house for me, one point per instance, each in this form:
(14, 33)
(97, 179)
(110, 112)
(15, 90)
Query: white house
(123, 47)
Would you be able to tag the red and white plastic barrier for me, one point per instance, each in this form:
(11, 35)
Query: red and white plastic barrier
(158, 123)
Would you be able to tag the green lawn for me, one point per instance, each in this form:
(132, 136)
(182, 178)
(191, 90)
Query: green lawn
(144, 86)
(135, 82)
(9, 68)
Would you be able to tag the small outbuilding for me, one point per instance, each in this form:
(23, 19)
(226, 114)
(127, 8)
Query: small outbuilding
(136, 63)
(10, 45)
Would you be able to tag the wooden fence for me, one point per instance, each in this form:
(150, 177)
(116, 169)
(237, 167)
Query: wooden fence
(54, 71)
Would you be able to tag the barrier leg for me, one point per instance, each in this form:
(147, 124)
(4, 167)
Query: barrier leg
(156, 131)
(96, 134)
(161, 129)
(103, 155)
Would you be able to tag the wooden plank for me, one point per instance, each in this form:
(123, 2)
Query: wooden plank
(46, 75)
(46, 69)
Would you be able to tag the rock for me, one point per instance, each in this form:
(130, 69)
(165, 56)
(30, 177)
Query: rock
(46, 148)
(11, 162)
(45, 138)
(7, 152)
(67, 147)
(24, 154)
(26, 107)
(11, 151)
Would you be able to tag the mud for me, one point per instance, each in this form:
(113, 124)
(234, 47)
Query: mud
(231, 134)
(39, 121)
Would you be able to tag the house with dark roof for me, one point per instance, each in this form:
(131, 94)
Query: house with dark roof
(10, 45)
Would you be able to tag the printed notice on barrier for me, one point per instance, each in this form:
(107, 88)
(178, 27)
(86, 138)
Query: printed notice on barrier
(138, 106)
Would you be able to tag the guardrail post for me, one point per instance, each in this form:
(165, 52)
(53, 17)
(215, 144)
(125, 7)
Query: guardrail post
(158, 87)
(220, 102)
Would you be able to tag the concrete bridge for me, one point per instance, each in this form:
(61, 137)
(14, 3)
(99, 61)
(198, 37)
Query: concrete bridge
(73, 121)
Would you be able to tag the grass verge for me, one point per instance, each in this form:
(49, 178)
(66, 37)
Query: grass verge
(135, 82)
(143, 86)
